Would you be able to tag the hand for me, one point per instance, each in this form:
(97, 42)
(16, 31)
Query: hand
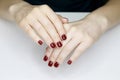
(80, 36)
(40, 22)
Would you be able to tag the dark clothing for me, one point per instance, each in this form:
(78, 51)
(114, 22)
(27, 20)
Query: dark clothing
(70, 5)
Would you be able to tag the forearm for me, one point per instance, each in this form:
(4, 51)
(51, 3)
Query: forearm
(5, 7)
(108, 15)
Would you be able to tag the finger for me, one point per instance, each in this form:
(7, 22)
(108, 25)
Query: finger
(79, 50)
(63, 19)
(47, 53)
(32, 34)
(56, 52)
(40, 30)
(57, 24)
(67, 50)
(50, 29)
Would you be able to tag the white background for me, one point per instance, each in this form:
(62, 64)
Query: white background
(21, 58)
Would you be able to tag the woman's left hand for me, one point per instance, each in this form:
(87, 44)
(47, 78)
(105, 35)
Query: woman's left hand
(81, 35)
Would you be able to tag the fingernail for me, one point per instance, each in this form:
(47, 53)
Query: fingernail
(53, 45)
(45, 58)
(50, 63)
(59, 44)
(40, 42)
(64, 37)
(56, 64)
(69, 62)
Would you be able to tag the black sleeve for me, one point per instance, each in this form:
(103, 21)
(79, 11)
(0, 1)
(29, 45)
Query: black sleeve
(35, 2)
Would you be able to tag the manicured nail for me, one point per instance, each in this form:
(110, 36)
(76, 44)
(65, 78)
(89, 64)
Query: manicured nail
(69, 62)
(56, 64)
(64, 37)
(53, 45)
(45, 58)
(59, 44)
(50, 63)
(40, 42)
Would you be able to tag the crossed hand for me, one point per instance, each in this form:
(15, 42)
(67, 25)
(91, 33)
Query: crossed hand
(62, 37)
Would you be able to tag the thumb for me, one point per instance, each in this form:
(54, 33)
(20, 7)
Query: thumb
(63, 19)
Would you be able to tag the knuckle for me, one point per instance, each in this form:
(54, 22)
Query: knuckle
(44, 6)
(35, 9)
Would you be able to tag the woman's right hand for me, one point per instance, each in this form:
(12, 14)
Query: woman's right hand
(40, 22)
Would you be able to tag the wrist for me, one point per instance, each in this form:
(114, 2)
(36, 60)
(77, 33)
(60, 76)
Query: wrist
(15, 8)
(99, 20)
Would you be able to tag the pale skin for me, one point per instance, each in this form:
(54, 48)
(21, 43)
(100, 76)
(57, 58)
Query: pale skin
(38, 21)
(80, 34)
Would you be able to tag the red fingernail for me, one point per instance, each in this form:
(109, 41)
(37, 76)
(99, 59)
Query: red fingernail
(59, 44)
(53, 45)
(45, 58)
(64, 37)
(69, 62)
(50, 63)
(56, 64)
(40, 42)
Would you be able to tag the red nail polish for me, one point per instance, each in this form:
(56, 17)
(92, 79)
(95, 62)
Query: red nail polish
(50, 63)
(53, 45)
(64, 37)
(45, 58)
(59, 44)
(40, 42)
(56, 64)
(69, 62)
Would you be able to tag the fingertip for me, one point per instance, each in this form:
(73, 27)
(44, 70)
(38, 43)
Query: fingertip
(45, 58)
(50, 63)
(53, 45)
(59, 44)
(69, 62)
(56, 65)
(40, 42)
(64, 37)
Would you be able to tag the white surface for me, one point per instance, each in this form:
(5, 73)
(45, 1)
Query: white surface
(21, 58)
